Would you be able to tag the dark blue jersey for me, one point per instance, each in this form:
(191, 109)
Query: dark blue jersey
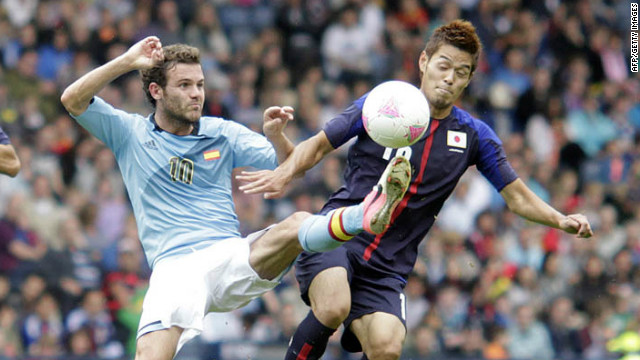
(438, 160)
(4, 138)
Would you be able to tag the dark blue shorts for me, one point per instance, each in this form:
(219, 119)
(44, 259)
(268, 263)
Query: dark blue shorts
(370, 291)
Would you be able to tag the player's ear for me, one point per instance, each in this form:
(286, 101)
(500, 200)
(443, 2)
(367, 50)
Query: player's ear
(155, 90)
(422, 61)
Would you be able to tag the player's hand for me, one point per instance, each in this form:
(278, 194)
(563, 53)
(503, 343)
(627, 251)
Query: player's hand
(269, 182)
(577, 224)
(145, 54)
(275, 119)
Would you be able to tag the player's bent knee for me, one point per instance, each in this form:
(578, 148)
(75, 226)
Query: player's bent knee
(291, 225)
(332, 314)
(295, 219)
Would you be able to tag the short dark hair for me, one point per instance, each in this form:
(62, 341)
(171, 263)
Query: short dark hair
(459, 33)
(173, 54)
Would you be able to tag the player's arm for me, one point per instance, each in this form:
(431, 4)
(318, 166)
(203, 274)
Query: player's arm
(142, 55)
(492, 162)
(275, 119)
(303, 157)
(524, 202)
(9, 162)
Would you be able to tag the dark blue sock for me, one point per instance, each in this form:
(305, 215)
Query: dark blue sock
(310, 339)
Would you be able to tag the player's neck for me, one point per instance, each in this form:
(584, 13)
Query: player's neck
(441, 113)
(173, 125)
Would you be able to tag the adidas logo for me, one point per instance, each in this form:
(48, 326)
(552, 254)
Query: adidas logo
(151, 144)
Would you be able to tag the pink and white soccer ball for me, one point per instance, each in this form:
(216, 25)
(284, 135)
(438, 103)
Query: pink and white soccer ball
(395, 114)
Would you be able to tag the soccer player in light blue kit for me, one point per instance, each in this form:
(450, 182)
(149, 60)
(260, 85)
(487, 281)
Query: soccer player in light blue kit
(177, 169)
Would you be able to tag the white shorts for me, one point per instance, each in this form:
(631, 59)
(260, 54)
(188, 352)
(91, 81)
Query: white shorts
(183, 290)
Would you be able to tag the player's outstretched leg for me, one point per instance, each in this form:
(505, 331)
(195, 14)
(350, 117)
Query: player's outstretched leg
(325, 232)
(386, 195)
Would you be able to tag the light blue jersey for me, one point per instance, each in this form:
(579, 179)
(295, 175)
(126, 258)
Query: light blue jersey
(180, 186)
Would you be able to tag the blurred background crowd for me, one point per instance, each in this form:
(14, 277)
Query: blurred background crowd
(553, 81)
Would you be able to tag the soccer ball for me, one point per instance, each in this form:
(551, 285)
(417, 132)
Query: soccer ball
(395, 114)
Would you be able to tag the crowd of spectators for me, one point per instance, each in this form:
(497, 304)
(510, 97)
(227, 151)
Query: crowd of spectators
(553, 81)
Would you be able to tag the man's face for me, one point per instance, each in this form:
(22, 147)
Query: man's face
(445, 75)
(524, 317)
(183, 96)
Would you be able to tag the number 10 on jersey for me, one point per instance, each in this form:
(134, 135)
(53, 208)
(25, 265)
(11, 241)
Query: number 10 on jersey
(181, 170)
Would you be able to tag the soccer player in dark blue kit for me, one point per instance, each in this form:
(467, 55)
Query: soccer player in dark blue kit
(361, 283)
(9, 162)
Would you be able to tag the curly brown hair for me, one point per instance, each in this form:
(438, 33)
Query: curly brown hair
(459, 33)
(173, 54)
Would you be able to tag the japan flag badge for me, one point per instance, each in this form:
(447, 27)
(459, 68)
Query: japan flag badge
(457, 139)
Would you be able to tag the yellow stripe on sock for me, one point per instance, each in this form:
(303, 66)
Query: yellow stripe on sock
(336, 227)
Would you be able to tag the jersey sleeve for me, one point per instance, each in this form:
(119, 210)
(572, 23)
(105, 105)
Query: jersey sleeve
(112, 126)
(250, 148)
(346, 125)
(4, 138)
(492, 160)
